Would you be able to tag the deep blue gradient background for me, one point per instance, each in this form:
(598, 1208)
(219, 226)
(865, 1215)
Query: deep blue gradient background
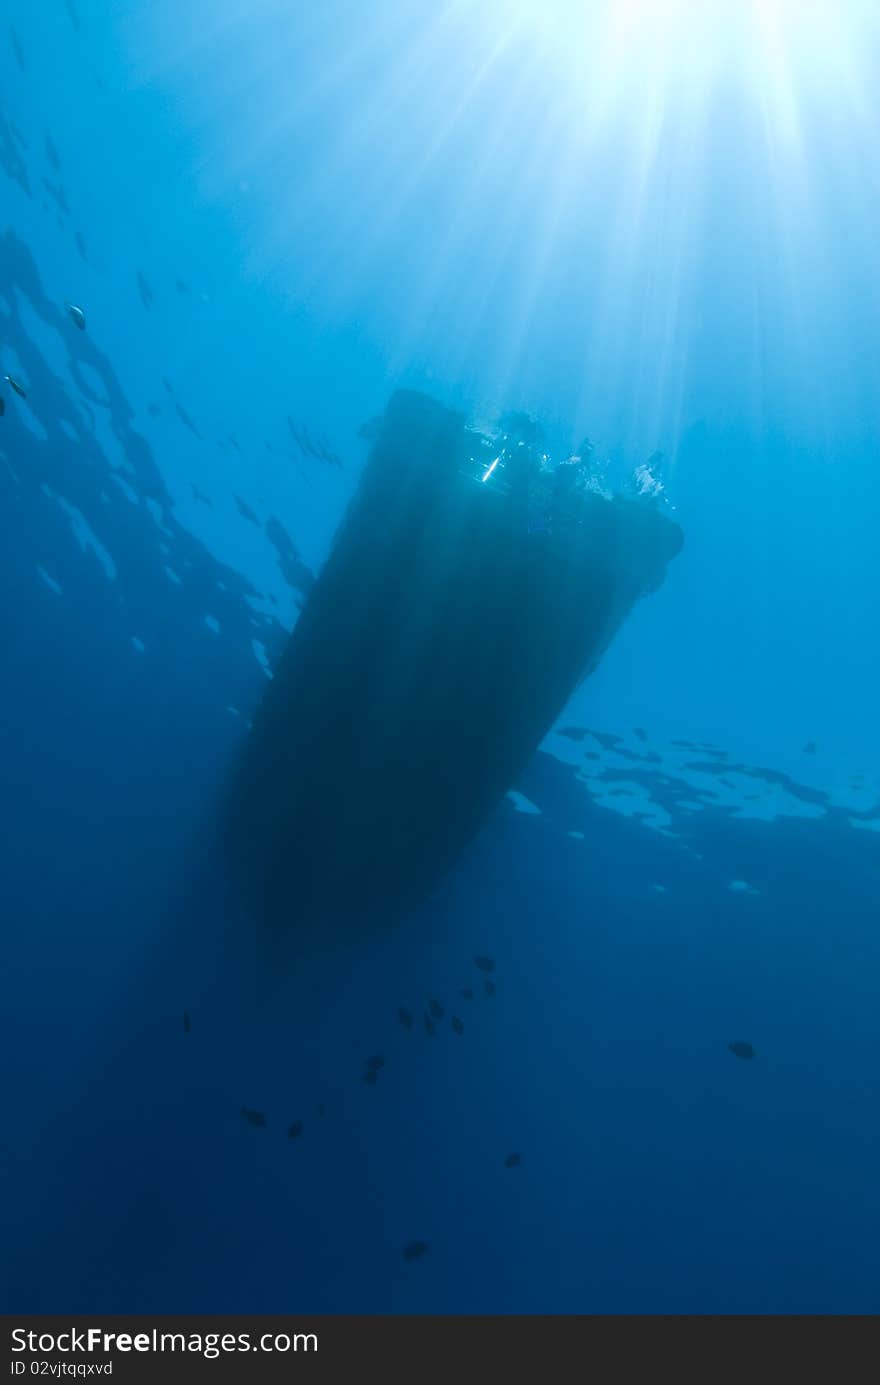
(321, 209)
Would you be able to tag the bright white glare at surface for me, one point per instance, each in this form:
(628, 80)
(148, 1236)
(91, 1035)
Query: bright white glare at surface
(580, 204)
(612, 51)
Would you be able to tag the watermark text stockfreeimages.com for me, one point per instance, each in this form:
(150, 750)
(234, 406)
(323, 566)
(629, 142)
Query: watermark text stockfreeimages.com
(208, 1344)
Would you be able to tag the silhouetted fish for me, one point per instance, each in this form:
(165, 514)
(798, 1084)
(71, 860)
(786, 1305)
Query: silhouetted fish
(484, 963)
(321, 1109)
(376, 1062)
(294, 1131)
(2, 406)
(512, 1161)
(468, 993)
(185, 418)
(253, 1117)
(59, 197)
(144, 290)
(371, 1076)
(457, 1025)
(436, 1009)
(186, 1024)
(741, 1049)
(19, 51)
(77, 315)
(429, 1026)
(13, 384)
(574, 733)
(489, 987)
(245, 510)
(302, 439)
(327, 454)
(200, 495)
(638, 731)
(810, 748)
(405, 1018)
(415, 1250)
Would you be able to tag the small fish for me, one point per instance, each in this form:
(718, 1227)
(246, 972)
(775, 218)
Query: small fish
(640, 732)
(2, 406)
(489, 987)
(245, 511)
(741, 1049)
(376, 1062)
(467, 993)
(457, 1025)
(320, 1110)
(144, 290)
(414, 1250)
(19, 51)
(185, 419)
(405, 1018)
(295, 1130)
(809, 748)
(327, 454)
(513, 1161)
(13, 384)
(200, 495)
(77, 315)
(253, 1117)
(186, 1024)
(430, 1027)
(484, 963)
(436, 1009)
(371, 1076)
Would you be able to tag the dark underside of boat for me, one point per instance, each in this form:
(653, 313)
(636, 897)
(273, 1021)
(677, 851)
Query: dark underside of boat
(450, 625)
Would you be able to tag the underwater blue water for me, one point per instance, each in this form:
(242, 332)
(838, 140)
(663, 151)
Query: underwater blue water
(275, 214)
